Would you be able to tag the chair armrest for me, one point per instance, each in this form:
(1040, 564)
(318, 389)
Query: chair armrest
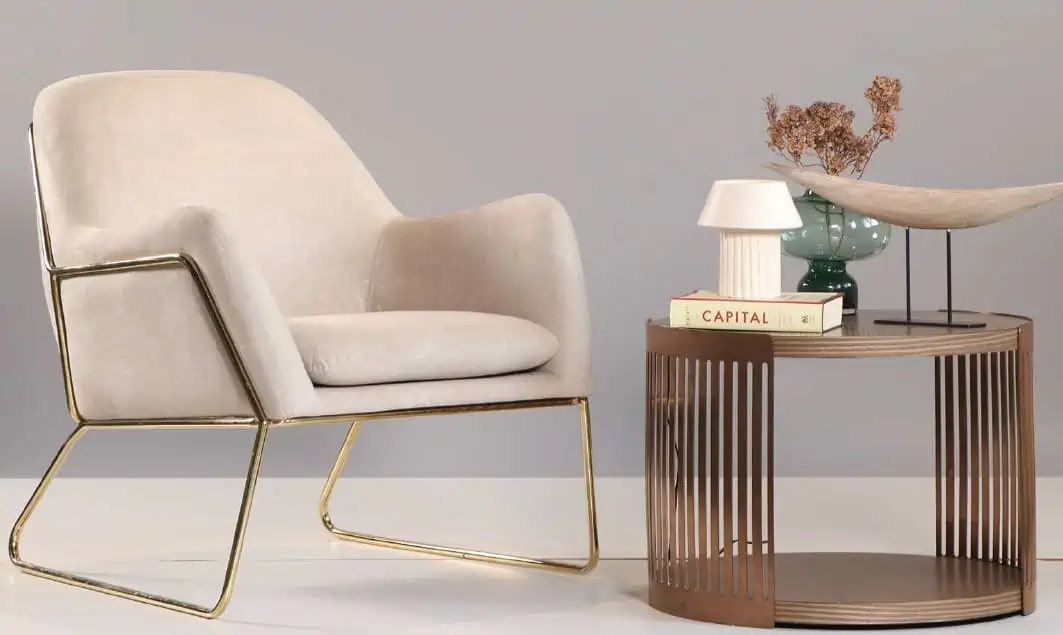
(517, 256)
(174, 326)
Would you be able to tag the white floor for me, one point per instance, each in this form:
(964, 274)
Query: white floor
(293, 594)
(167, 537)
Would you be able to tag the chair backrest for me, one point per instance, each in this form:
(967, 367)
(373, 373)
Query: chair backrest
(114, 147)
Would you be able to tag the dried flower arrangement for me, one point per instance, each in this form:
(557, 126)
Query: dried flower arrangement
(822, 134)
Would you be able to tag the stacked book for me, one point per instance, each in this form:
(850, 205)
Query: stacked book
(788, 313)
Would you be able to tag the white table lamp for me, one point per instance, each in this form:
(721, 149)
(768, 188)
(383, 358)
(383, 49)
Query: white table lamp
(750, 214)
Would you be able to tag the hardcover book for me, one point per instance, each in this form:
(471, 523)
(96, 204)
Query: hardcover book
(790, 312)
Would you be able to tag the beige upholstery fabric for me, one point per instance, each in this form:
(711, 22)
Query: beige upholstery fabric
(517, 256)
(248, 179)
(356, 349)
(436, 394)
(141, 343)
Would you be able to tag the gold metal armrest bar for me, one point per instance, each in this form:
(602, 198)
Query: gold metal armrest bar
(257, 421)
(148, 263)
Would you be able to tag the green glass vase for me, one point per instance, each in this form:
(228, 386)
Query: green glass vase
(829, 238)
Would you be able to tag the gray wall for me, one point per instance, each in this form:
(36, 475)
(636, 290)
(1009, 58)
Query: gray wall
(626, 111)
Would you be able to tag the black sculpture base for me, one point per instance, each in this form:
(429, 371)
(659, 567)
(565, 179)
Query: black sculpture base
(950, 322)
(955, 324)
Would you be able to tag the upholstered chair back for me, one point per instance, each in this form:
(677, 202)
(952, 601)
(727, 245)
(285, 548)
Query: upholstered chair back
(113, 149)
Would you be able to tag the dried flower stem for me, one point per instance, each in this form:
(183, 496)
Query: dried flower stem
(822, 135)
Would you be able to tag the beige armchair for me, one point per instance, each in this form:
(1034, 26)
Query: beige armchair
(216, 256)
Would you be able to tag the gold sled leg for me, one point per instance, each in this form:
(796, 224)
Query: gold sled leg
(480, 556)
(126, 592)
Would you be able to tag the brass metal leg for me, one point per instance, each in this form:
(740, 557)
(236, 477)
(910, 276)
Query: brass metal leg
(480, 556)
(126, 592)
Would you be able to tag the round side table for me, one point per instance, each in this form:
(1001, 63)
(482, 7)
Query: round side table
(710, 480)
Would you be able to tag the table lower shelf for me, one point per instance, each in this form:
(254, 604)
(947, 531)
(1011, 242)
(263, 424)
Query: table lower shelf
(870, 589)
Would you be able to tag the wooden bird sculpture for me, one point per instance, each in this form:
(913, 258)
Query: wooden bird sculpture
(924, 208)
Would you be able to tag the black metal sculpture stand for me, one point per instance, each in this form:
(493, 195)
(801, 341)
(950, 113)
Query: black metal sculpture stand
(950, 321)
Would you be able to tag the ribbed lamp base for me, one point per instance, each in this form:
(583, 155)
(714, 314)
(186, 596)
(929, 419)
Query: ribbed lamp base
(750, 264)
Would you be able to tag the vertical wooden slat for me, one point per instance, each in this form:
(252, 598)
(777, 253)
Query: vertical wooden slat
(670, 470)
(651, 464)
(950, 456)
(998, 451)
(1028, 482)
(661, 496)
(938, 458)
(690, 564)
(984, 441)
(665, 366)
(674, 476)
(1016, 462)
(1009, 505)
(662, 467)
(757, 422)
(704, 549)
(658, 460)
(650, 447)
(742, 423)
(662, 440)
(681, 476)
(976, 452)
(714, 468)
(728, 478)
(964, 432)
(1016, 503)
(769, 450)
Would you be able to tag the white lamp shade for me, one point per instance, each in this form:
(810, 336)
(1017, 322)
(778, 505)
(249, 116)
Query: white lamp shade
(750, 204)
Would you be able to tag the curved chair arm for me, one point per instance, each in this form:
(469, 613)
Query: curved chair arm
(516, 256)
(247, 321)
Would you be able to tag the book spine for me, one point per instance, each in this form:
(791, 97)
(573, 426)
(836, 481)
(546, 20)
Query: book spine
(737, 315)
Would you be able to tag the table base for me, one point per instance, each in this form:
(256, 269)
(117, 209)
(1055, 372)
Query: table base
(869, 589)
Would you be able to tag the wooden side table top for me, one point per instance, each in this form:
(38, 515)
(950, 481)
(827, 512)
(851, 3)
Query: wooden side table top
(860, 336)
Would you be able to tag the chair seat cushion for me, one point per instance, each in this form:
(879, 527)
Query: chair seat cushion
(357, 349)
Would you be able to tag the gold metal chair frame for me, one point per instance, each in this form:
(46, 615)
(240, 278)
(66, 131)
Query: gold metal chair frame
(261, 424)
